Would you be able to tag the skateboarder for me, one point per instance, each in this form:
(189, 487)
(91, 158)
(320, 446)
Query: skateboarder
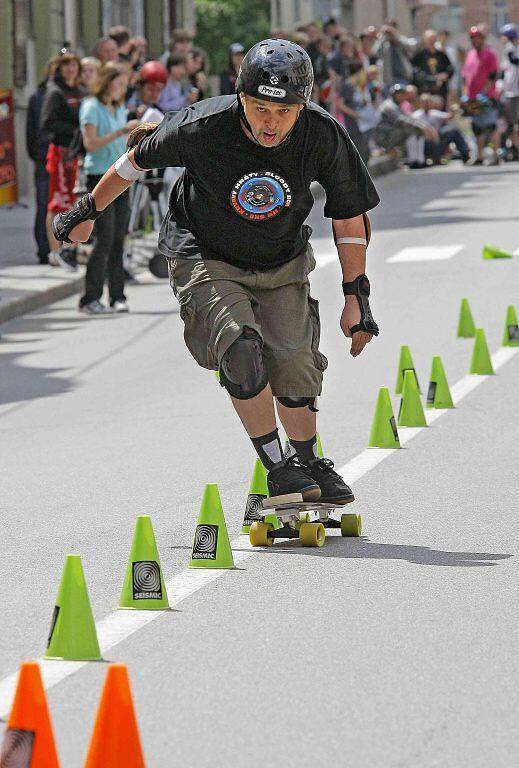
(239, 253)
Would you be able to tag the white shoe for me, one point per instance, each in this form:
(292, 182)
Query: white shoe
(53, 259)
(94, 308)
(120, 306)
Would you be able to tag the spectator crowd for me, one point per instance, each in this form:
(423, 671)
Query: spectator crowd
(424, 102)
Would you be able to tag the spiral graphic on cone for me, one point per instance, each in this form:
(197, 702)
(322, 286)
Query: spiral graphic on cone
(254, 509)
(146, 576)
(17, 748)
(205, 538)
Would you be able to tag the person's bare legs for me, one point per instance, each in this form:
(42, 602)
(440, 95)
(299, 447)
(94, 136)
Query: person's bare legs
(299, 423)
(53, 243)
(257, 414)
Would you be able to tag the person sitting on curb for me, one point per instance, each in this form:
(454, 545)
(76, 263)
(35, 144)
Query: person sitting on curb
(395, 127)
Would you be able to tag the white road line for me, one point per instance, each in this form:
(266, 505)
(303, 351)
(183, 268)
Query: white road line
(425, 253)
(439, 204)
(120, 625)
(325, 251)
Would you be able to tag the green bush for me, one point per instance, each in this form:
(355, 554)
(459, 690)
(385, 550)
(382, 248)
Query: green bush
(222, 22)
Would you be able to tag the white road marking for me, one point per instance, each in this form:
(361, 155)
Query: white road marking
(119, 625)
(324, 250)
(425, 253)
(439, 204)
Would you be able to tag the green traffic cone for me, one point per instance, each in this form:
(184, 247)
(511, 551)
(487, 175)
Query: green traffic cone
(489, 252)
(257, 492)
(384, 433)
(73, 635)
(405, 363)
(511, 334)
(143, 587)
(438, 394)
(466, 326)
(481, 363)
(211, 545)
(411, 413)
(319, 447)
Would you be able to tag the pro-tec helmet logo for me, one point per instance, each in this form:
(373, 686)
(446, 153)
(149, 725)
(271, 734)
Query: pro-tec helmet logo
(267, 90)
(260, 196)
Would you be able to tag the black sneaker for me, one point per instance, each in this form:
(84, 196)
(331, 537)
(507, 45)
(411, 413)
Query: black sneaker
(333, 488)
(291, 477)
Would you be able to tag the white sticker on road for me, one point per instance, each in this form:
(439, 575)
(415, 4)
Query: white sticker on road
(425, 253)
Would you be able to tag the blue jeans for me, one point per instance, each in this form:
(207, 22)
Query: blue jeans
(448, 135)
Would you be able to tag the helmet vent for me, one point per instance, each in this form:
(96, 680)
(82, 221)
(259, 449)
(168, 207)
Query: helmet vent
(285, 79)
(269, 52)
(265, 75)
(290, 56)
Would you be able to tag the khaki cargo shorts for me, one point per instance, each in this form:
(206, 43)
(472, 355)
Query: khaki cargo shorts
(217, 301)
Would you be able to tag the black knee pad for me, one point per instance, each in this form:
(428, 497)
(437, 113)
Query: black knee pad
(242, 369)
(298, 402)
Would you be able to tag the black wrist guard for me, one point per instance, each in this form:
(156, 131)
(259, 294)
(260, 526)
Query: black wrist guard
(360, 288)
(82, 210)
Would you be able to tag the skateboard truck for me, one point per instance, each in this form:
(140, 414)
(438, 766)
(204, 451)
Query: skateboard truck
(304, 520)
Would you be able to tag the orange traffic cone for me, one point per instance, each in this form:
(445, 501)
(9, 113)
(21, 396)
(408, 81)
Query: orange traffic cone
(115, 741)
(28, 739)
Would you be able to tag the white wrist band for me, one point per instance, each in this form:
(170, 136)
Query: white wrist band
(352, 240)
(126, 170)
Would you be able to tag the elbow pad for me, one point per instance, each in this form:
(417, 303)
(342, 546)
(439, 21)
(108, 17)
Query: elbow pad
(126, 170)
(361, 289)
(82, 210)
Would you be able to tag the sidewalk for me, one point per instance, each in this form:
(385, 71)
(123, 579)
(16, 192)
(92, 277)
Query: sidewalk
(26, 285)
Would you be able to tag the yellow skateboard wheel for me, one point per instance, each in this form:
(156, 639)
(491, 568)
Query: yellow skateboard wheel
(259, 534)
(312, 534)
(351, 525)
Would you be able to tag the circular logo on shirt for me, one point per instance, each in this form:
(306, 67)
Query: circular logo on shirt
(260, 196)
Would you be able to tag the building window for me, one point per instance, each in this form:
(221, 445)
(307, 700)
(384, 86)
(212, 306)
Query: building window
(452, 19)
(57, 25)
(498, 15)
(22, 32)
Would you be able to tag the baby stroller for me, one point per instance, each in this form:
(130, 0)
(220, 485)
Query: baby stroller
(148, 204)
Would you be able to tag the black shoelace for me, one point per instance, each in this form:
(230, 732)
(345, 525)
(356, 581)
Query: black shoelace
(325, 464)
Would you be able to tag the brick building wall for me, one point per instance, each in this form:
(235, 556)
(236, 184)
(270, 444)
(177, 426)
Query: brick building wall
(466, 13)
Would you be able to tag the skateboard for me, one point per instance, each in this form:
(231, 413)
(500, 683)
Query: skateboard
(298, 519)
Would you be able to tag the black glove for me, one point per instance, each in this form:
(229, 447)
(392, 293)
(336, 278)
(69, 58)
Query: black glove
(82, 210)
(361, 289)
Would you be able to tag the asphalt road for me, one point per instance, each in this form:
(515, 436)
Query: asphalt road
(395, 650)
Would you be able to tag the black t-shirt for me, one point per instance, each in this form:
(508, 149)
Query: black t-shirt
(427, 66)
(246, 204)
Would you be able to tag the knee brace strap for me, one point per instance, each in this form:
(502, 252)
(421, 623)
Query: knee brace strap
(298, 402)
(242, 369)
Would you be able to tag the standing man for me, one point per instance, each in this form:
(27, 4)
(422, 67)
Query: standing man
(239, 252)
(432, 67)
(480, 73)
(510, 93)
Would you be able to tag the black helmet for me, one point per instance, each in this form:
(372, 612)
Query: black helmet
(277, 70)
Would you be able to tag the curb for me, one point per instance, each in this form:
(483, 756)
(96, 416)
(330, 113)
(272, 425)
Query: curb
(38, 299)
(379, 166)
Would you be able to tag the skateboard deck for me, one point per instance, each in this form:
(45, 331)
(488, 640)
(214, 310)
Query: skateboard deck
(298, 519)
